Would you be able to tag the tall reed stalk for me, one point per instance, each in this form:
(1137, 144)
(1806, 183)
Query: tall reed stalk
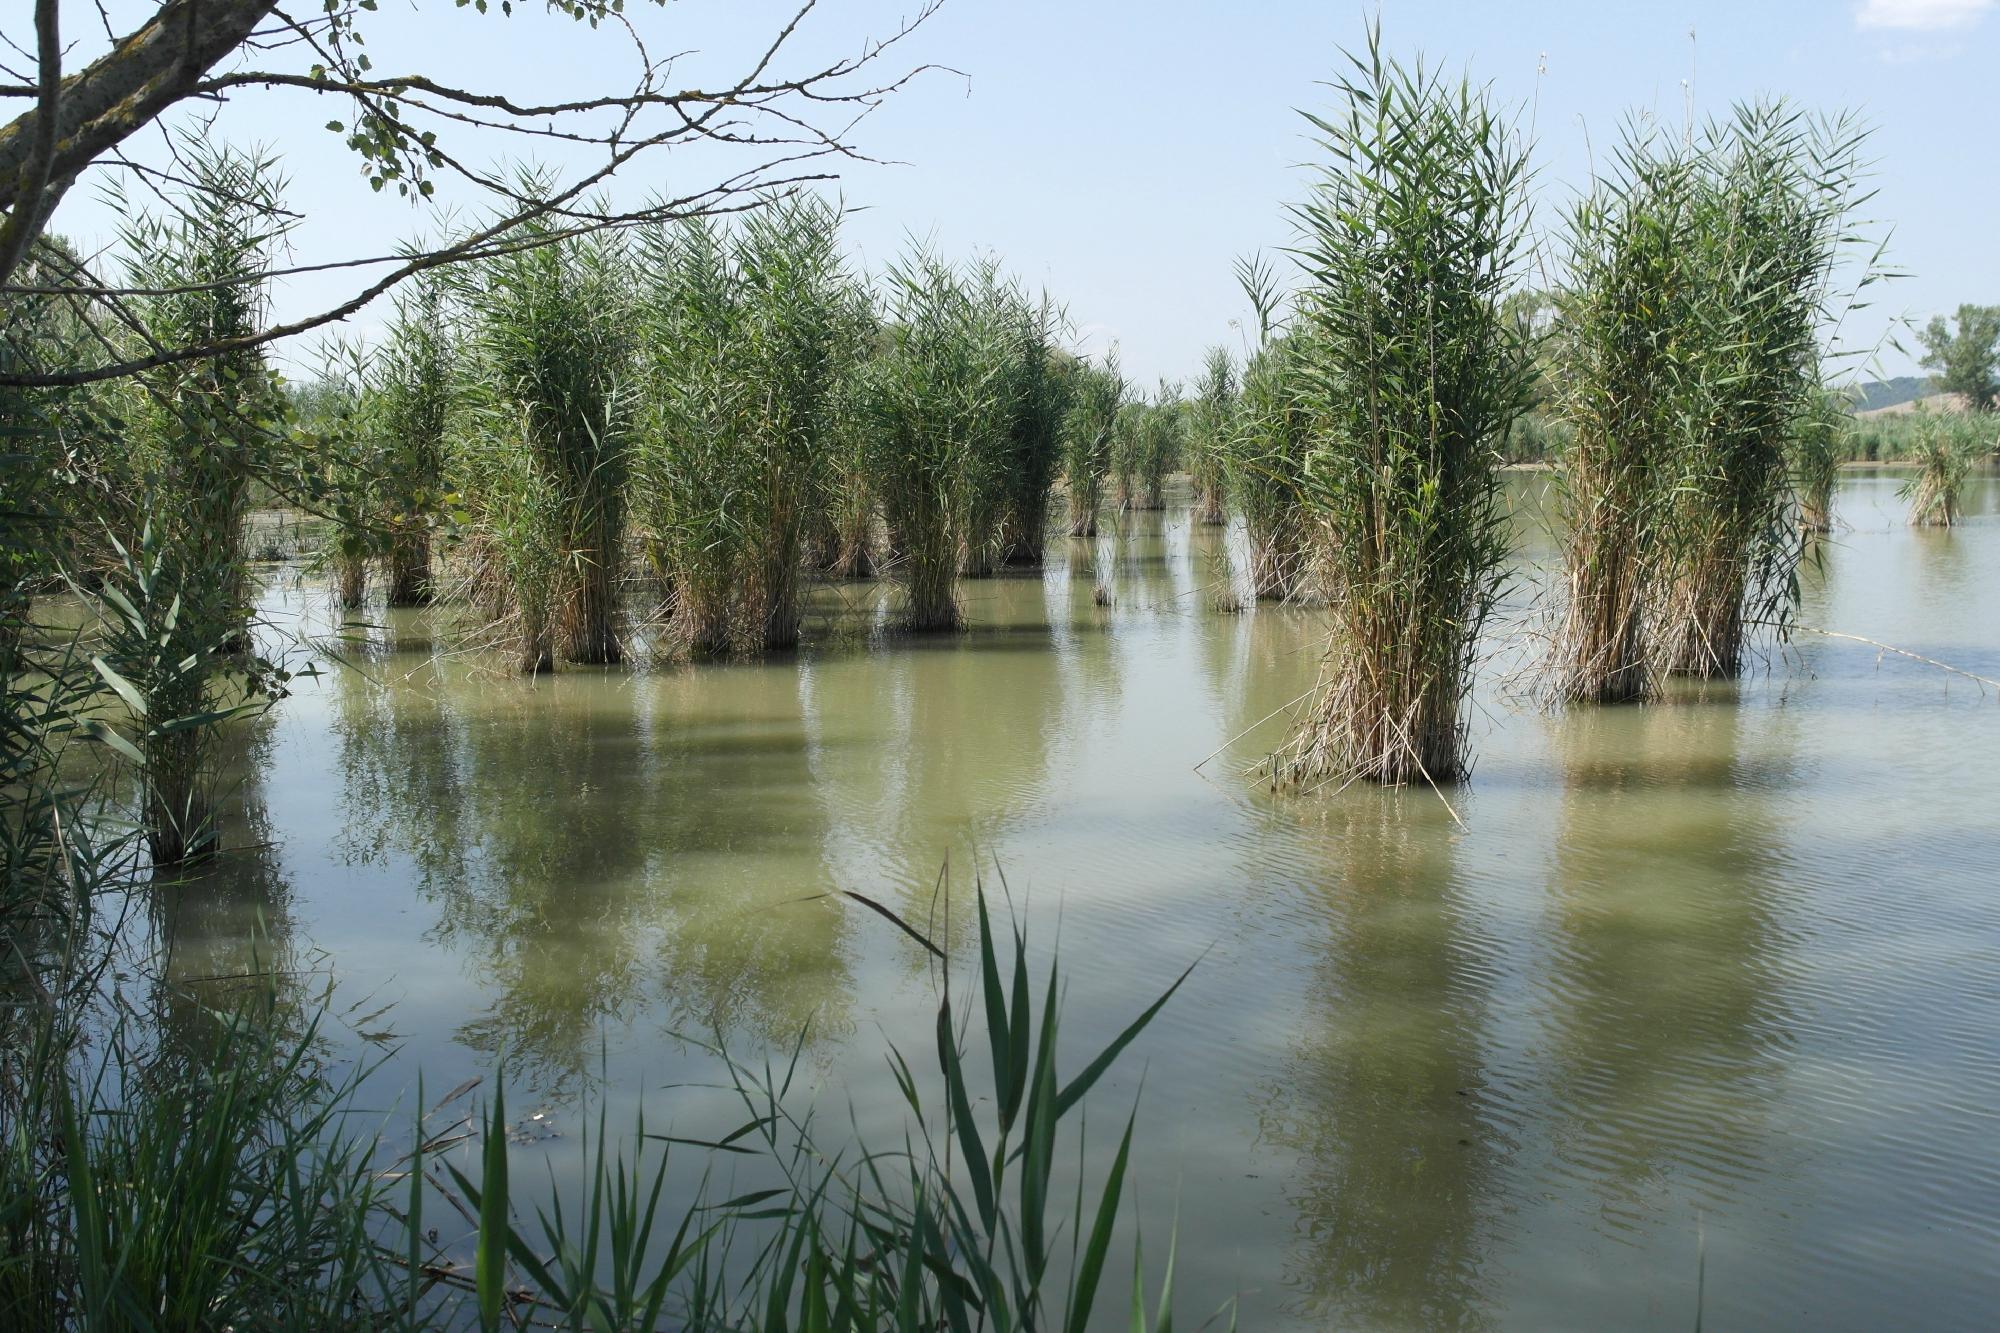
(548, 369)
(326, 417)
(1211, 419)
(1946, 444)
(807, 322)
(935, 423)
(1774, 222)
(749, 336)
(1411, 374)
(1145, 448)
(1263, 467)
(1088, 429)
(199, 431)
(1817, 445)
(1040, 379)
(1626, 335)
(415, 371)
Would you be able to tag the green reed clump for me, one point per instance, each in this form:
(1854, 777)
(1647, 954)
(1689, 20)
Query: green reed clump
(1946, 445)
(1774, 221)
(1817, 446)
(1536, 438)
(1038, 381)
(749, 336)
(1885, 437)
(1088, 430)
(1627, 337)
(547, 447)
(851, 515)
(1263, 467)
(1145, 449)
(691, 470)
(1127, 443)
(1011, 339)
(198, 433)
(935, 423)
(324, 428)
(1211, 418)
(809, 320)
(1410, 374)
(411, 395)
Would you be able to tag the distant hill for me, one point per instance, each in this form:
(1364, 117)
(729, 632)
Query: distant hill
(1935, 402)
(1878, 394)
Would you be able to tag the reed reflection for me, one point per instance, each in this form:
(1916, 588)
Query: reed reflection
(1398, 1126)
(578, 841)
(1665, 987)
(932, 747)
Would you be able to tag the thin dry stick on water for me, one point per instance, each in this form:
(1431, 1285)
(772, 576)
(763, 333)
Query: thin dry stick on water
(1900, 652)
(1254, 725)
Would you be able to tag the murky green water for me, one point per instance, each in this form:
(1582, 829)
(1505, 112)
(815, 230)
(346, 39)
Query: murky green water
(1719, 977)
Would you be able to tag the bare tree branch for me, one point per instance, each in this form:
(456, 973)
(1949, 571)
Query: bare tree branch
(176, 59)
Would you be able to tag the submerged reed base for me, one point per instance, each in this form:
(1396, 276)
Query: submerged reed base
(1600, 654)
(1387, 709)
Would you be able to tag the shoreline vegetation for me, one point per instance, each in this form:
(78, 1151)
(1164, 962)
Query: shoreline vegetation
(625, 446)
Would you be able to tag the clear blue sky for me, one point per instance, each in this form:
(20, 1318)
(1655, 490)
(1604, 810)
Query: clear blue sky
(1122, 153)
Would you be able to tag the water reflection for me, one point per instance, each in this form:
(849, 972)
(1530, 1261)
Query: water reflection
(580, 841)
(1400, 1130)
(935, 745)
(1665, 990)
(1728, 957)
(224, 933)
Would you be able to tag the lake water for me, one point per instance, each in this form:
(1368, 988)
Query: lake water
(1690, 1004)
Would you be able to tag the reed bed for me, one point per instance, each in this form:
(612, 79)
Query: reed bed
(1410, 375)
(546, 439)
(1145, 446)
(1210, 420)
(749, 335)
(178, 599)
(1623, 352)
(1039, 381)
(935, 423)
(1689, 370)
(1775, 223)
(1264, 468)
(412, 395)
(1089, 428)
(1946, 445)
(1815, 460)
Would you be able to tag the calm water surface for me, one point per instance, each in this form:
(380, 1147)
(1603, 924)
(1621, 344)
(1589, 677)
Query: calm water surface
(1716, 977)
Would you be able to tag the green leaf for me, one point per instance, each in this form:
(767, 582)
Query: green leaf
(490, 1260)
(125, 689)
(1095, 1069)
(1092, 1267)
